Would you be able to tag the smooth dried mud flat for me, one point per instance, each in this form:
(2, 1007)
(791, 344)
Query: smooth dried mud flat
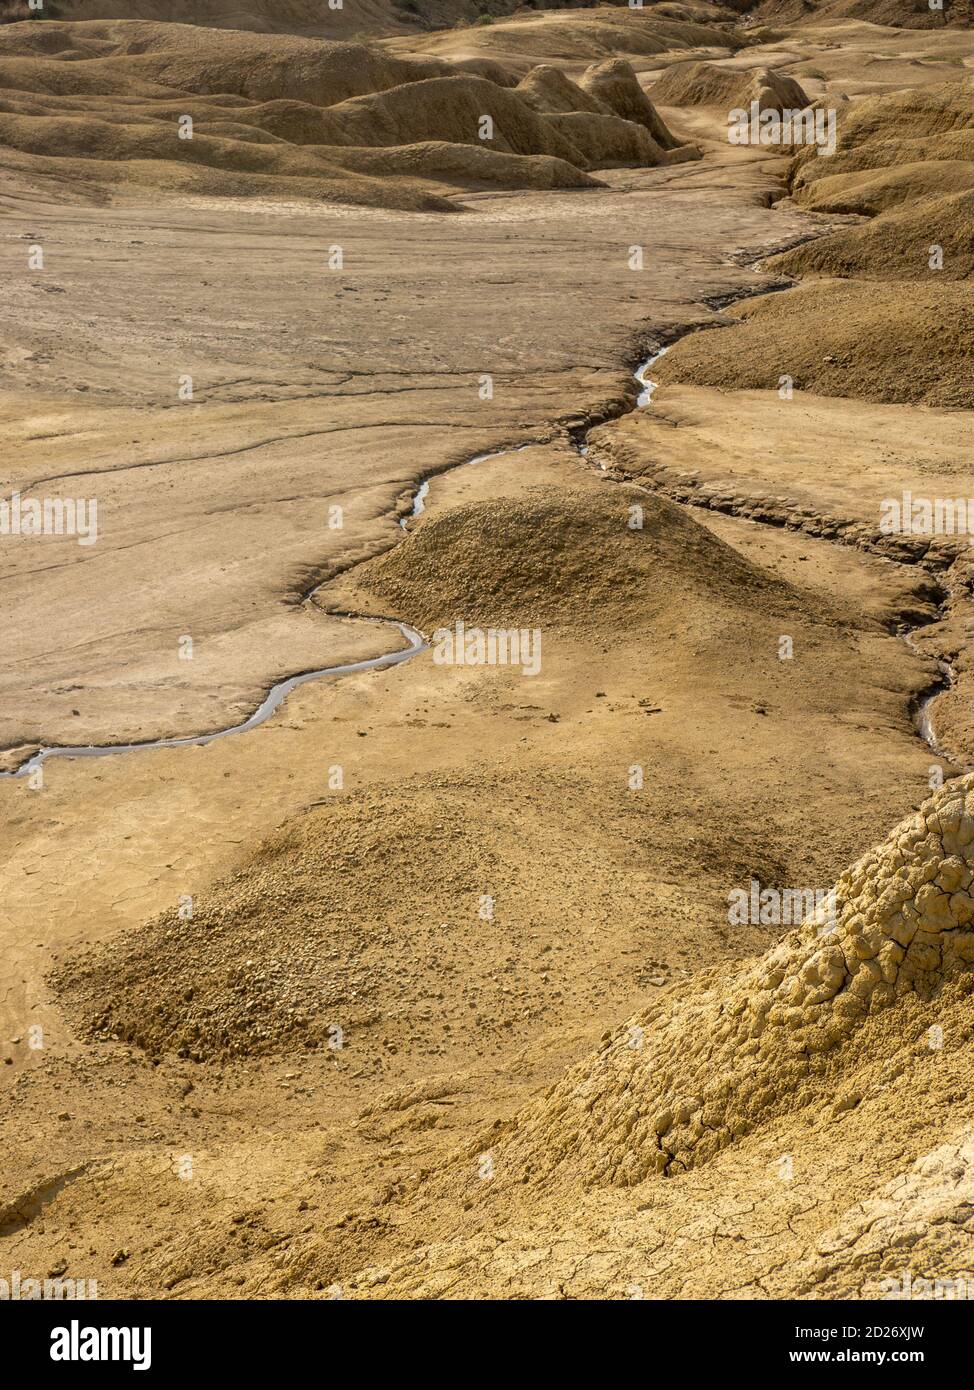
(428, 986)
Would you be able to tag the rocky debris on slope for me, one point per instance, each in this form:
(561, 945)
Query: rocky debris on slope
(709, 1062)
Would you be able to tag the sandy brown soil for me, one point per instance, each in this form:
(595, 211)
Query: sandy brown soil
(471, 1018)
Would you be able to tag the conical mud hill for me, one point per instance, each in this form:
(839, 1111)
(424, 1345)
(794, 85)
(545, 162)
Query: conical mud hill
(560, 558)
(709, 1063)
(615, 85)
(547, 89)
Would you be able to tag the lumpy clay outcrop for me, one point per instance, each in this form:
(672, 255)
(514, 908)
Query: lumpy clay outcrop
(706, 1065)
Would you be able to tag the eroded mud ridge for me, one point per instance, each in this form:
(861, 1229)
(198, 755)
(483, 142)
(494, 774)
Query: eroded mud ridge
(704, 1066)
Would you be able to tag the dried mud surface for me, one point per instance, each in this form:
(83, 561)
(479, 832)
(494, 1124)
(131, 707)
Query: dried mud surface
(472, 1019)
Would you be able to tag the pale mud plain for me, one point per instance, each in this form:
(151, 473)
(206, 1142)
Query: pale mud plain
(317, 387)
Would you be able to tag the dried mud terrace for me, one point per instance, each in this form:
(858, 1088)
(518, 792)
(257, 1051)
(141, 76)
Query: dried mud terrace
(367, 1172)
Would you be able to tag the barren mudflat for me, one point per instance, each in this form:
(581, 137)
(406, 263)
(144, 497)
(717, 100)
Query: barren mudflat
(592, 950)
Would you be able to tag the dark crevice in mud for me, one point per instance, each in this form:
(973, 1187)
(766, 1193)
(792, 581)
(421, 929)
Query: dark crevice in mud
(752, 259)
(717, 302)
(28, 1206)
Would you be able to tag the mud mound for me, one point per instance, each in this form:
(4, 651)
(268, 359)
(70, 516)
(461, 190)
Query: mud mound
(775, 91)
(580, 36)
(614, 84)
(485, 67)
(548, 89)
(696, 84)
(604, 142)
(707, 1064)
(897, 14)
(897, 246)
(452, 109)
(558, 559)
(468, 167)
(188, 58)
(885, 132)
(919, 111)
(840, 338)
(100, 152)
(285, 109)
(307, 936)
(311, 934)
(309, 17)
(608, 118)
(872, 191)
(269, 69)
(88, 180)
(312, 18)
(706, 84)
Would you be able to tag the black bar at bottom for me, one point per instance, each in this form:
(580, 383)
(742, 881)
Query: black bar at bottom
(166, 1338)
